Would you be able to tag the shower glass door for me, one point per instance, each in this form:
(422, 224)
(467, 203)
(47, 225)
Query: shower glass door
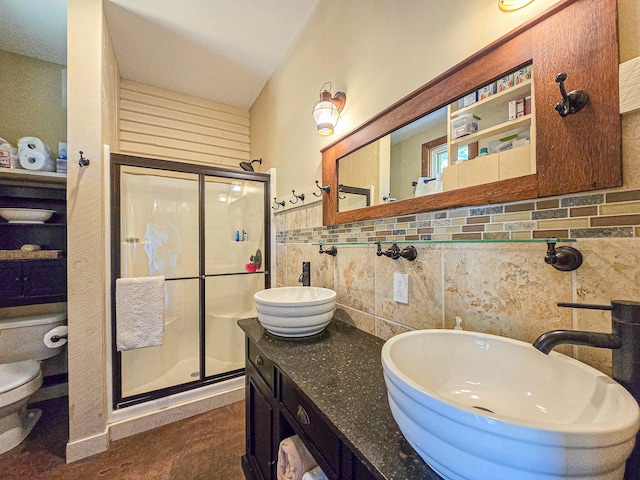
(234, 268)
(159, 225)
(205, 230)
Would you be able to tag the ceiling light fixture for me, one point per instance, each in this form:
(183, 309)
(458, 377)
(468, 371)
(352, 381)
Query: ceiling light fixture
(326, 111)
(509, 5)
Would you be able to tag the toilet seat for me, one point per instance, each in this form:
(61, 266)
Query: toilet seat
(14, 375)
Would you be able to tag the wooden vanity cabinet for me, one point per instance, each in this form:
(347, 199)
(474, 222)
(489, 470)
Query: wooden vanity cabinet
(277, 409)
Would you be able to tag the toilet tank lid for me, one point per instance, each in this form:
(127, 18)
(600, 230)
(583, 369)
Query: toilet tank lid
(32, 320)
(14, 375)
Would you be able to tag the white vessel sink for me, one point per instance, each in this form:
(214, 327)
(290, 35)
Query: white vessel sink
(295, 311)
(478, 406)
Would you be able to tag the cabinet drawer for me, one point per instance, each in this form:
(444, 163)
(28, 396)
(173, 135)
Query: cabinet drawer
(309, 421)
(261, 363)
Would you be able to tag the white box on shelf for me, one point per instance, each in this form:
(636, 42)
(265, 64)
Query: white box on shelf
(480, 170)
(515, 162)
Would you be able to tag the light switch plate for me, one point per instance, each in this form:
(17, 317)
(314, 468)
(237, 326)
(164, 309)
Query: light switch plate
(401, 287)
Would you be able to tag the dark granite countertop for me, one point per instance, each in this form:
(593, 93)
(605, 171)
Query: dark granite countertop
(341, 372)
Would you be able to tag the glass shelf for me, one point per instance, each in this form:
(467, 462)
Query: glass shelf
(423, 242)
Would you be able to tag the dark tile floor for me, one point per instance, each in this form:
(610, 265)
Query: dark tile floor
(204, 447)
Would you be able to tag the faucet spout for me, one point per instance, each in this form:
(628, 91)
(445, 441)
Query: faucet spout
(305, 276)
(549, 340)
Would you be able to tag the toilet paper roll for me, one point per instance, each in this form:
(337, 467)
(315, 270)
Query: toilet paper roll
(35, 160)
(56, 332)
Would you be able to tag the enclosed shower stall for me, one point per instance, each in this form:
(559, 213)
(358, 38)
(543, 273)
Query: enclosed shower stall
(205, 229)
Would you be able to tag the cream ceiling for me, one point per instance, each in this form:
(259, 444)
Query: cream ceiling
(223, 50)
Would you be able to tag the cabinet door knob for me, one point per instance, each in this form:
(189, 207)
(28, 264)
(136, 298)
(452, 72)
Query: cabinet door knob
(303, 416)
(259, 361)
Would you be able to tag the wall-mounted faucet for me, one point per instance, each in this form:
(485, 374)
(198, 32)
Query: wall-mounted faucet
(305, 276)
(625, 342)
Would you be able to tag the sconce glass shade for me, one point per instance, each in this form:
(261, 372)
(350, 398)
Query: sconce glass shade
(326, 111)
(509, 5)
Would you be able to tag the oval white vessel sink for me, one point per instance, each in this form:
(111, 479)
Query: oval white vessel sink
(479, 406)
(295, 311)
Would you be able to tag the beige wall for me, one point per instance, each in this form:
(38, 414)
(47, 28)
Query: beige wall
(31, 100)
(92, 110)
(376, 51)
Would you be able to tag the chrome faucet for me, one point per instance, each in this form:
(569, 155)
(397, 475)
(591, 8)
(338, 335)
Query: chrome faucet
(625, 342)
(305, 276)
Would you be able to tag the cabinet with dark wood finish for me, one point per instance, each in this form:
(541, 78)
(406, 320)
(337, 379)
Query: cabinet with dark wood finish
(33, 280)
(277, 409)
(25, 282)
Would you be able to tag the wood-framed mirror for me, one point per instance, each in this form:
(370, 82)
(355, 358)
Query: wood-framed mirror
(576, 153)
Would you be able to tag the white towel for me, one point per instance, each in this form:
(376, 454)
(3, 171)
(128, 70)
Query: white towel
(315, 474)
(139, 312)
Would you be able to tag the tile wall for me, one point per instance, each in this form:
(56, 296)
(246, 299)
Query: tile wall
(499, 288)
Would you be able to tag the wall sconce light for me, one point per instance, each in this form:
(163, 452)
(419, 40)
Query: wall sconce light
(326, 111)
(509, 5)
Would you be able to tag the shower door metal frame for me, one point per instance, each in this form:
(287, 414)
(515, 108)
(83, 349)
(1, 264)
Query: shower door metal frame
(203, 171)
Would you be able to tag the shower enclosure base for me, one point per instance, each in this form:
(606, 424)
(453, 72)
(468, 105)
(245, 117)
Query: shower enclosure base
(185, 371)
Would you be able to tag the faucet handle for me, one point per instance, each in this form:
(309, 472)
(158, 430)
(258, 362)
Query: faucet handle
(587, 306)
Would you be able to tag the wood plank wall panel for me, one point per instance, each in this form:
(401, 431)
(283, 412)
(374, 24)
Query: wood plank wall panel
(168, 125)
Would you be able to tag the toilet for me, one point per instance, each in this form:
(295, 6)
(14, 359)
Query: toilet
(22, 345)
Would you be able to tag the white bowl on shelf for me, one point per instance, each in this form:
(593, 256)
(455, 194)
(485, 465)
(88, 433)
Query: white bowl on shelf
(26, 215)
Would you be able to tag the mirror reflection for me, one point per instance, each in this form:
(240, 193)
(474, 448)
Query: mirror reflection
(486, 136)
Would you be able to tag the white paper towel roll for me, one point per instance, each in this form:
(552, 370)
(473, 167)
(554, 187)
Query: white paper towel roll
(56, 332)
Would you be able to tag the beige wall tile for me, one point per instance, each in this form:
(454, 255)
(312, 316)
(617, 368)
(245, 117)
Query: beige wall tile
(322, 267)
(511, 217)
(296, 218)
(314, 215)
(563, 223)
(295, 256)
(424, 309)
(494, 227)
(281, 264)
(363, 321)
(631, 150)
(504, 290)
(386, 330)
(279, 222)
(610, 271)
(355, 277)
(618, 208)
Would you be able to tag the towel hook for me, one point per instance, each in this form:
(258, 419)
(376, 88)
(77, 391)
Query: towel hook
(341, 197)
(83, 162)
(326, 189)
(279, 204)
(333, 251)
(298, 197)
(571, 102)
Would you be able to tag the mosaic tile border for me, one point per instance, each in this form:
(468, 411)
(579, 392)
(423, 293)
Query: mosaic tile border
(599, 215)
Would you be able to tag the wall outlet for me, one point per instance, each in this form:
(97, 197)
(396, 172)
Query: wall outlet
(401, 287)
